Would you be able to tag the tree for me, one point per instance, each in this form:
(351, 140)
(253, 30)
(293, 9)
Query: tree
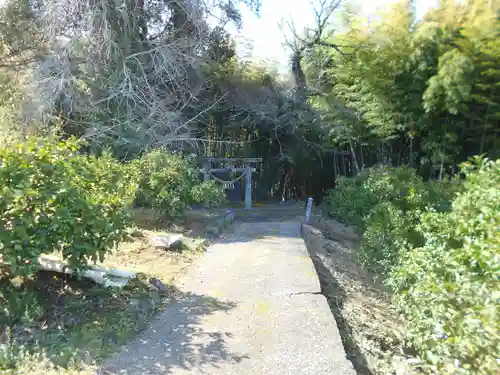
(126, 73)
(302, 42)
(402, 92)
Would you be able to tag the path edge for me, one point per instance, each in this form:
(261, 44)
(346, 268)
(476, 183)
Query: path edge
(308, 232)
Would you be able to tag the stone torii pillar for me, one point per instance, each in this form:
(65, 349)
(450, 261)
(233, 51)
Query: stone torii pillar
(248, 187)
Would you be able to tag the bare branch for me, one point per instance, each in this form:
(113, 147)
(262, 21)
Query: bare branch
(309, 39)
(314, 36)
(105, 75)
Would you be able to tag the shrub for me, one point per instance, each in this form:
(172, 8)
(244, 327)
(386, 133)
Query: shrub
(53, 198)
(448, 289)
(19, 304)
(350, 201)
(388, 231)
(209, 193)
(386, 204)
(170, 182)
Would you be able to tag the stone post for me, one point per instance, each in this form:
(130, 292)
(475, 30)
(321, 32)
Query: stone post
(248, 188)
(308, 210)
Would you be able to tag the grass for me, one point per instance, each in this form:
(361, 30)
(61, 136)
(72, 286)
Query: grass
(59, 324)
(69, 320)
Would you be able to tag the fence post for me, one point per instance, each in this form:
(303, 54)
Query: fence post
(308, 210)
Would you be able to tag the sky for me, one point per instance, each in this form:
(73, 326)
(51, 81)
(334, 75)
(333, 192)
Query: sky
(266, 37)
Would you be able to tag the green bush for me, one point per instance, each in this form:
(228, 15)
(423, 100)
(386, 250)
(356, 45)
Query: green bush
(55, 199)
(350, 201)
(208, 193)
(440, 254)
(387, 231)
(19, 304)
(448, 289)
(171, 183)
(386, 204)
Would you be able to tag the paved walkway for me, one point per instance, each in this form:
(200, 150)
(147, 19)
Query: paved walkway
(251, 305)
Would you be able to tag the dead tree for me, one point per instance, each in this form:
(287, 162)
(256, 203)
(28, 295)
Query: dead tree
(300, 43)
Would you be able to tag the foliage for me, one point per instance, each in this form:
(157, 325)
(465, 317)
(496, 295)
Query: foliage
(18, 305)
(350, 202)
(171, 182)
(208, 193)
(9, 108)
(386, 204)
(74, 319)
(143, 82)
(137, 72)
(441, 259)
(26, 363)
(448, 287)
(258, 116)
(418, 92)
(55, 199)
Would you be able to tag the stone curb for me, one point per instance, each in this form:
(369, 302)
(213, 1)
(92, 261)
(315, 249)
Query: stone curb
(313, 238)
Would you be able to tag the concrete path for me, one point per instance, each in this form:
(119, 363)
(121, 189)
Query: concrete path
(251, 305)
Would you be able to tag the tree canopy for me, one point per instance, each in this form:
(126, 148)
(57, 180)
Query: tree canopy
(132, 76)
(417, 92)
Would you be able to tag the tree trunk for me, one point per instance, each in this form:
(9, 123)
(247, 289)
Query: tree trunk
(483, 136)
(335, 172)
(285, 182)
(361, 155)
(410, 161)
(299, 76)
(442, 167)
(354, 157)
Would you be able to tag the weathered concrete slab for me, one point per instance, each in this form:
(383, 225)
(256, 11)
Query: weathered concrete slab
(252, 306)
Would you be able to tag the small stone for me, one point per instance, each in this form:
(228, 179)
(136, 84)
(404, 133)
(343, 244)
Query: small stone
(168, 242)
(158, 284)
(413, 361)
(177, 245)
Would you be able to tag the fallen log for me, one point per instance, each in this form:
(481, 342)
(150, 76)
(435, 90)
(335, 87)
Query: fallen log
(107, 277)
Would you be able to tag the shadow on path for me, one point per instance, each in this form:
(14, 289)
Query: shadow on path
(176, 340)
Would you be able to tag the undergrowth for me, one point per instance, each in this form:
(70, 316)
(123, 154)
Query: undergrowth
(55, 199)
(437, 246)
(72, 322)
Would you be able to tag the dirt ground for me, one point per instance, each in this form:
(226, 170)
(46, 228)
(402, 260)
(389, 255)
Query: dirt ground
(140, 254)
(66, 321)
(370, 326)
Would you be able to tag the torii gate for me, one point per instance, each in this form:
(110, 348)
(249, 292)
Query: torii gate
(245, 171)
